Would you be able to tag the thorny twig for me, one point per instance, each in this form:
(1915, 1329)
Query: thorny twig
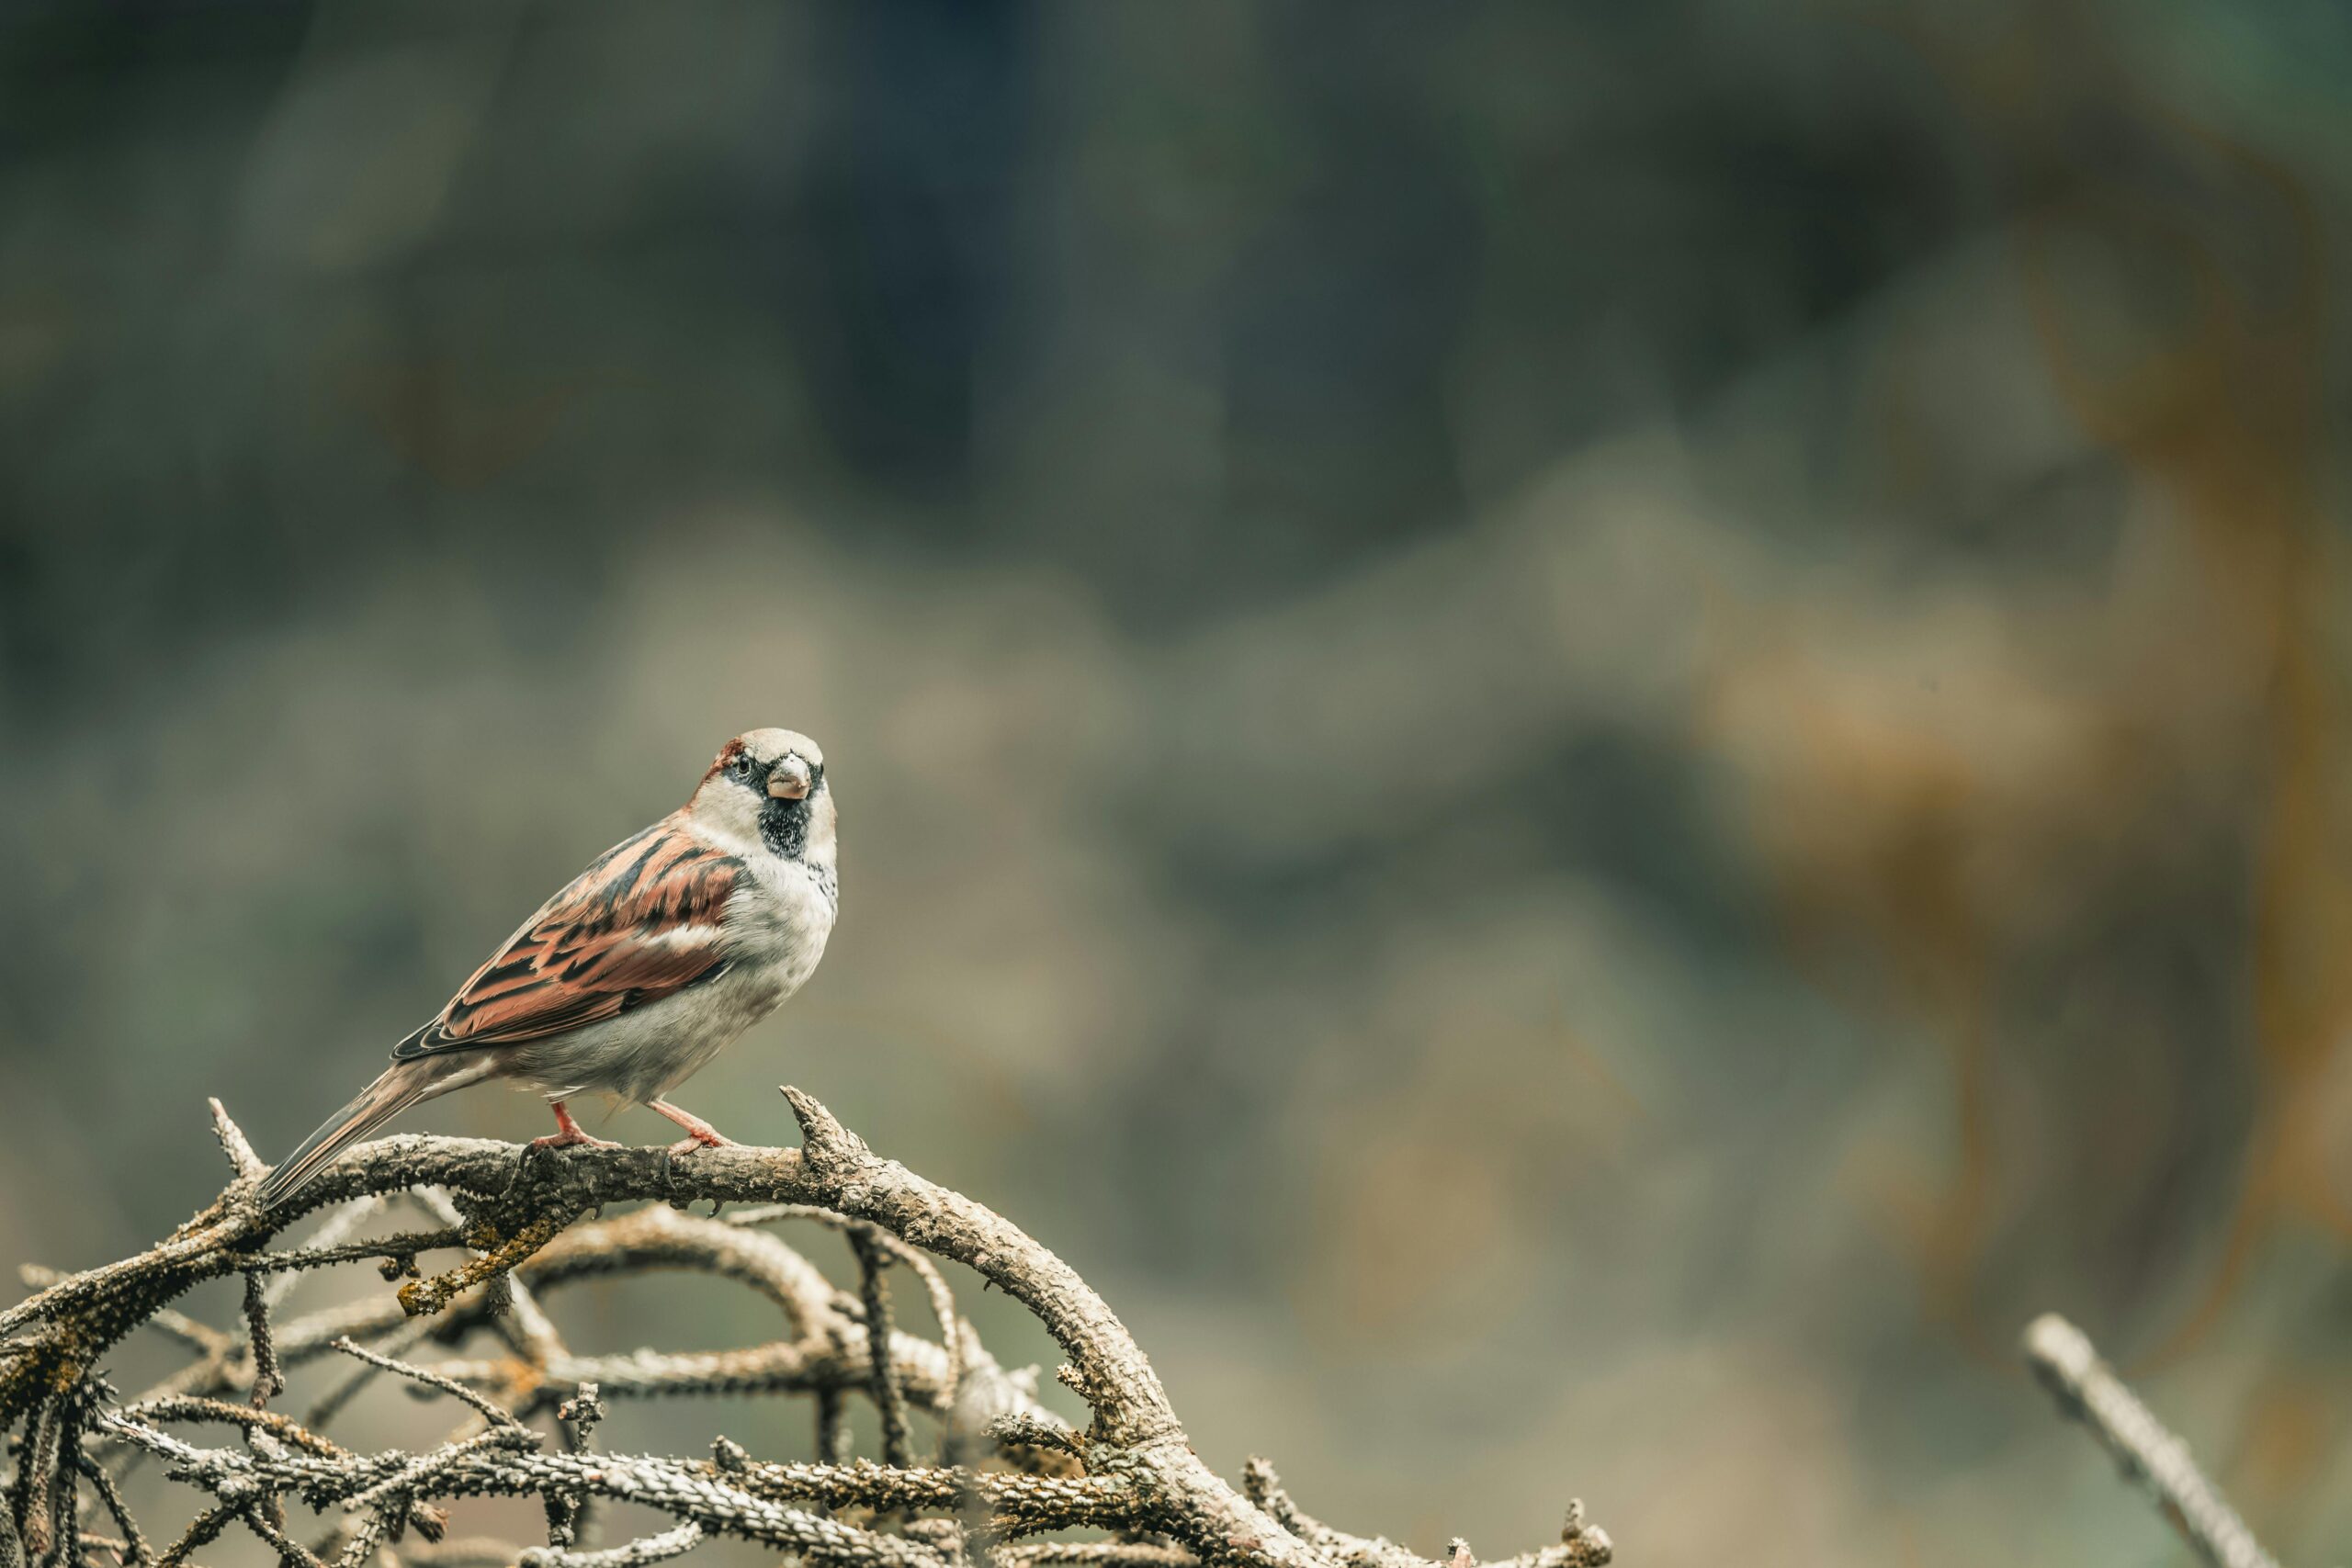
(269, 1381)
(874, 1294)
(450, 1386)
(652, 1549)
(570, 1522)
(998, 1468)
(943, 1300)
(134, 1546)
(2087, 1389)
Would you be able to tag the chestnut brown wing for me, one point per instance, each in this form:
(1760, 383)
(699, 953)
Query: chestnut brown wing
(640, 924)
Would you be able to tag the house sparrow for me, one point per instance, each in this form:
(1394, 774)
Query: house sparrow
(668, 947)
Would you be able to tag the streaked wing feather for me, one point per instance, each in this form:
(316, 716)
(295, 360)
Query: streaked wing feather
(640, 924)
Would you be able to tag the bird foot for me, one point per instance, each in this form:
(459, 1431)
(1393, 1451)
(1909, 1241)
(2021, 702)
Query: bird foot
(700, 1135)
(572, 1137)
(705, 1139)
(568, 1132)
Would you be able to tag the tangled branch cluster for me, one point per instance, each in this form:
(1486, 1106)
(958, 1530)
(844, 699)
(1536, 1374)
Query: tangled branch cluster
(1004, 1473)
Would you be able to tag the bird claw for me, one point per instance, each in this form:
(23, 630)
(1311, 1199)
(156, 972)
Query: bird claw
(694, 1141)
(573, 1139)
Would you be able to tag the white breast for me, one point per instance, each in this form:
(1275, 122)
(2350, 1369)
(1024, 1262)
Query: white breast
(776, 922)
(779, 917)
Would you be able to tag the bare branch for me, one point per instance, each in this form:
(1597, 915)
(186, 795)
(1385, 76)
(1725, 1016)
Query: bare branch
(429, 1296)
(195, 1408)
(470, 1551)
(420, 1475)
(2061, 1356)
(1265, 1489)
(331, 1405)
(832, 1432)
(202, 1532)
(1091, 1554)
(289, 1551)
(636, 1555)
(134, 1547)
(268, 1380)
(248, 1164)
(449, 1386)
(875, 1293)
(371, 1532)
(943, 1300)
(1008, 1467)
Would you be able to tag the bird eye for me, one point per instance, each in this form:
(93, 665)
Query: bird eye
(740, 767)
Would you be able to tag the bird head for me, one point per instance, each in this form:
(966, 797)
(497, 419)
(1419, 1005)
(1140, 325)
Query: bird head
(767, 787)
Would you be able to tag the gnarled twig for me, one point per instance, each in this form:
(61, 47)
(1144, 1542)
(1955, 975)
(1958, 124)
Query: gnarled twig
(481, 1334)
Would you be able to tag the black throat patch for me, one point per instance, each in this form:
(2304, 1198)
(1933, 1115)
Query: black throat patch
(784, 827)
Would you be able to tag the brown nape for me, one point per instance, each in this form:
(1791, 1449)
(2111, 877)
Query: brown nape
(727, 754)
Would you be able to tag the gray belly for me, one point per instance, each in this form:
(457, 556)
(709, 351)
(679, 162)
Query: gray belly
(646, 1051)
(776, 930)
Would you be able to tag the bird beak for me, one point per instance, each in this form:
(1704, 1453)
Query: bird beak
(789, 779)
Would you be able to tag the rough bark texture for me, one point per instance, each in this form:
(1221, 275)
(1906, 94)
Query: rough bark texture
(1001, 1466)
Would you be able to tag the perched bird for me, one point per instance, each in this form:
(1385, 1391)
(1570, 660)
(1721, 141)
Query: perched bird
(668, 947)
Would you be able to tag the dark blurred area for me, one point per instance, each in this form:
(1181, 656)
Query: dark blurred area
(1581, 736)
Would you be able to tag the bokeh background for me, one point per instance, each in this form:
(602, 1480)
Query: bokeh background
(1583, 736)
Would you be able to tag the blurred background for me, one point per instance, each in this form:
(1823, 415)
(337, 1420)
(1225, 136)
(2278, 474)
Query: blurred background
(1581, 736)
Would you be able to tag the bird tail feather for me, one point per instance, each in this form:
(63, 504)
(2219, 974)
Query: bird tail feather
(401, 1086)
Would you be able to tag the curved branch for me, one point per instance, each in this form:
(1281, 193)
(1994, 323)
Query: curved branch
(530, 1218)
(1132, 1413)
